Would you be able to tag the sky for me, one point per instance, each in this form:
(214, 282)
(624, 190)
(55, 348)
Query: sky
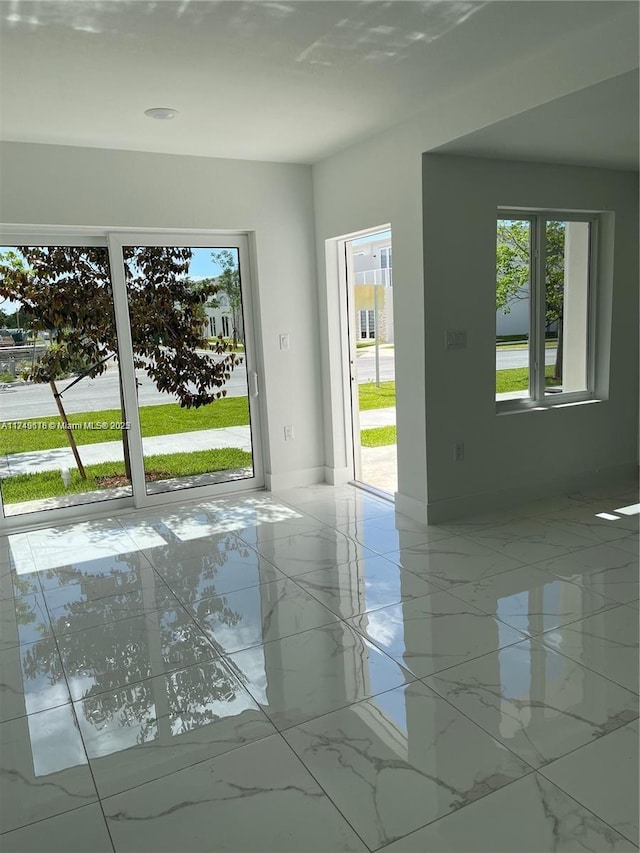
(370, 237)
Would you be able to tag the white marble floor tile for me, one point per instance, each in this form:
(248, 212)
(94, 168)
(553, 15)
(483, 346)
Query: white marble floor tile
(606, 643)
(79, 543)
(392, 531)
(603, 776)
(630, 544)
(309, 674)
(588, 521)
(353, 509)
(16, 554)
(258, 799)
(532, 600)
(115, 654)
(99, 577)
(553, 503)
(400, 760)
(147, 730)
(260, 614)
(267, 530)
(82, 830)
(302, 495)
(324, 548)
(44, 769)
(482, 521)
(31, 679)
(531, 540)
(529, 816)
(605, 569)
(453, 561)
(220, 571)
(537, 702)
(363, 585)
(23, 619)
(433, 633)
(69, 609)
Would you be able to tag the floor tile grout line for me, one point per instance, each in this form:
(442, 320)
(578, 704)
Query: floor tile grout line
(532, 772)
(579, 802)
(223, 661)
(481, 726)
(77, 727)
(324, 791)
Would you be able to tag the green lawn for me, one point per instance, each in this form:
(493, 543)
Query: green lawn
(48, 484)
(517, 379)
(166, 419)
(377, 397)
(378, 436)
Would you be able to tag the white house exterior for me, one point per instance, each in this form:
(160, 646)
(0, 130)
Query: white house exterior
(372, 268)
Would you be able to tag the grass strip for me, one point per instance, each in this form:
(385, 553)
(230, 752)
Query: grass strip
(372, 396)
(166, 419)
(517, 379)
(378, 436)
(48, 484)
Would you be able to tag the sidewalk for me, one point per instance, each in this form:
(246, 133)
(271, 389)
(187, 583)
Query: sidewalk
(111, 451)
(378, 463)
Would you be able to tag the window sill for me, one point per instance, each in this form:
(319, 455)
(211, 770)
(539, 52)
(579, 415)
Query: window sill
(518, 407)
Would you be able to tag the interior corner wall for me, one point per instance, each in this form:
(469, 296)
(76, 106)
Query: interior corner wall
(104, 188)
(537, 452)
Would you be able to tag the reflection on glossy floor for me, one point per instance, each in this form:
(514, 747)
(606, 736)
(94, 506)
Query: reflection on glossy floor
(312, 672)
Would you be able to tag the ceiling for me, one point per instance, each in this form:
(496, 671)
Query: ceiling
(263, 80)
(597, 126)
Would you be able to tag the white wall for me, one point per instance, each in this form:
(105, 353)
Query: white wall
(59, 185)
(512, 455)
(380, 181)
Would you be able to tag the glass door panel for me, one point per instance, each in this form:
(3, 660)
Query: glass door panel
(63, 431)
(187, 322)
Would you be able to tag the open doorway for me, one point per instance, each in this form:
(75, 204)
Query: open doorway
(369, 277)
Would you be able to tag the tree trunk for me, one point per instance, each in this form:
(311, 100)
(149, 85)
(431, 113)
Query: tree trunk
(125, 434)
(68, 429)
(557, 372)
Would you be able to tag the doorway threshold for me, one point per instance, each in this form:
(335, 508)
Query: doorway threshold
(372, 490)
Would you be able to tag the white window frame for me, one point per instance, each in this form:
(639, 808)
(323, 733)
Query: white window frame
(537, 398)
(114, 239)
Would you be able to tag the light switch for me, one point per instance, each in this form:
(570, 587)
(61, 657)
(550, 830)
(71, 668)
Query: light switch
(284, 341)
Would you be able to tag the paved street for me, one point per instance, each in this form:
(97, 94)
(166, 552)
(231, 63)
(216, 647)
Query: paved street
(33, 401)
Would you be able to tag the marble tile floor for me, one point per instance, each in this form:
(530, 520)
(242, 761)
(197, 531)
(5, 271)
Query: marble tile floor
(310, 671)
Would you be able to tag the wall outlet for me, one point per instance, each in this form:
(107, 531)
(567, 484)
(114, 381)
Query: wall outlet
(455, 339)
(288, 433)
(458, 452)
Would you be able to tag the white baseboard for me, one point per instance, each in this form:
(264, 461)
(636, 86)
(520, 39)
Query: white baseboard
(337, 476)
(293, 479)
(415, 509)
(469, 505)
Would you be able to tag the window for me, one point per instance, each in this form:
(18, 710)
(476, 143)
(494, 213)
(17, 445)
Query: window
(385, 264)
(367, 325)
(544, 308)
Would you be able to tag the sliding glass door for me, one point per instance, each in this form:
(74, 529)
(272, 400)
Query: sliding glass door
(126, 372)
(63, 440)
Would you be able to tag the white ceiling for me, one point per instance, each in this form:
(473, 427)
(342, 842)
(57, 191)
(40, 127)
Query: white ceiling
(597, 126)
(282, 81)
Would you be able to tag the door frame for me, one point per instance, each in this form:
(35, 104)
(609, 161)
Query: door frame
(114, 239)
(349, 332)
